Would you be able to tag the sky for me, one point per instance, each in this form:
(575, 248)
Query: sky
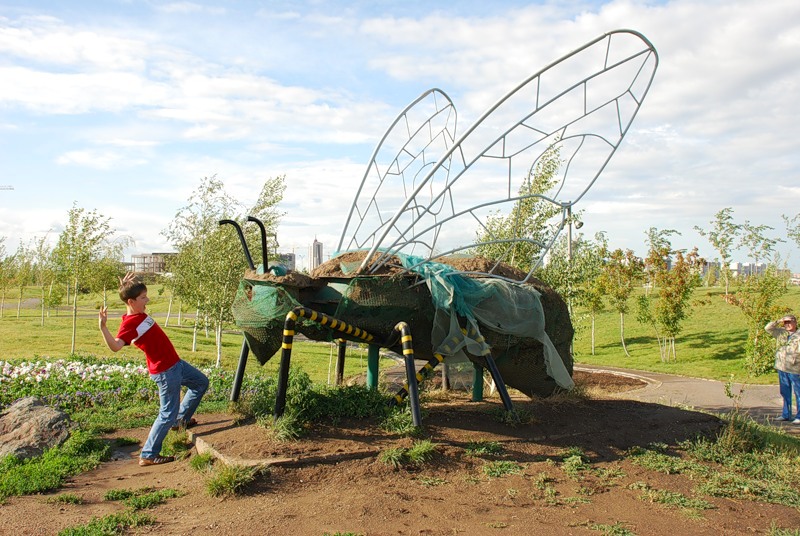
(124, 106)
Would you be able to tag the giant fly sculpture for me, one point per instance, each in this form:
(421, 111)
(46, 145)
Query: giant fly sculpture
(403, 269)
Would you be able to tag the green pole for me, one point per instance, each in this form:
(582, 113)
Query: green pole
(373, 354)
(477, 382)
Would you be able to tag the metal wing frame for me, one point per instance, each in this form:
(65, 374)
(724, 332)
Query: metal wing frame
(581, 106)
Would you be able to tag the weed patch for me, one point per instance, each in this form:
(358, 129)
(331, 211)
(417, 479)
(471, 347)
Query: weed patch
(429, 481)
(574, 465)
(674, 499)
(418, 454)
(66, 498)
(497, 469)
(231, 480)
(177, 444)
(81, 452)
(617, 529)
(398, 420)
(483, 448)
(202, 462)
(110, 525)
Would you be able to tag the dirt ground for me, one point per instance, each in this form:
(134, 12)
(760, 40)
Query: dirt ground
(333, 481)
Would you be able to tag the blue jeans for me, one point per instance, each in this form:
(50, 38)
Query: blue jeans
(172, 410)
(789, 382)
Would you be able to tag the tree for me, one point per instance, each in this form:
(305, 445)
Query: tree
(593, 302)
(80, 245)
(209, 262)
(6, 273)
(43, 273)
(621, 272)
(529, 218)
(793, 227)
(722, 236)
(590, 290)
(756, 297)
(759, 246)
(575, 273)
(659, 251)
(23, 272)
(675, 286)
(104, 273)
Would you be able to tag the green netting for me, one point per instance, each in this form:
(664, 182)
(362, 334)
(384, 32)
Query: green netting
(260, 309)
(377, 304)
(503, 307)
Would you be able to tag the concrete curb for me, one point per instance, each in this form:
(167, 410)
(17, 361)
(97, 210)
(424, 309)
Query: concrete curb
(204, 447)
(649, 381)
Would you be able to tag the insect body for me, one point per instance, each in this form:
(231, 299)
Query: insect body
(420, 214)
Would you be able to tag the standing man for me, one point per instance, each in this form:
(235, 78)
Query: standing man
(787, 362)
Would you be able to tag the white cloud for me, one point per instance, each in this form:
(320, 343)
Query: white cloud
(307, 91)
(47, 40)
(184, 8)
(103, 160)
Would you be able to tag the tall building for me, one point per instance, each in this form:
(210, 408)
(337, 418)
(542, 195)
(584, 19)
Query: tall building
(314, 255)
(286, 259)
(150, 263)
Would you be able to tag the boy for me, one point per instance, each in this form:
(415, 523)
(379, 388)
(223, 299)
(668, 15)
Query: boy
(165, 367)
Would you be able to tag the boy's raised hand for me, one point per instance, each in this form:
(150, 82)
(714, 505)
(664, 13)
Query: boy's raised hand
(130, 276)
(103, 316)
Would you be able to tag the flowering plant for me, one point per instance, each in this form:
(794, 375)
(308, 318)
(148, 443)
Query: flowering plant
(79, 384)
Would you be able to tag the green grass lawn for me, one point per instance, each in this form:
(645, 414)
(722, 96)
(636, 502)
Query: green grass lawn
(711, 345)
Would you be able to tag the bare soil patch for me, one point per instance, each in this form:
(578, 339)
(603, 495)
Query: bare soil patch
(333, 481)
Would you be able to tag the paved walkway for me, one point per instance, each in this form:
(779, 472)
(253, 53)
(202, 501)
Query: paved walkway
(762, 402)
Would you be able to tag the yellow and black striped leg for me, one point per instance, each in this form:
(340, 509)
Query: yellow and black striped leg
(411, 374)
(286, 348)
(424, 373)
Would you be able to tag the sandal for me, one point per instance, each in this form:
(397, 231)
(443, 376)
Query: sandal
(184, 425)
(158, 460)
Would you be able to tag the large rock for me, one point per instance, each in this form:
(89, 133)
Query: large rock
(28, 428)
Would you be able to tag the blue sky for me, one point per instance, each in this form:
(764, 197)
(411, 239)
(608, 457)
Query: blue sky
(123, 106)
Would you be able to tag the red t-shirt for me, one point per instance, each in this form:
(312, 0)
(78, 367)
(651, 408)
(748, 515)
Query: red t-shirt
(142, 330)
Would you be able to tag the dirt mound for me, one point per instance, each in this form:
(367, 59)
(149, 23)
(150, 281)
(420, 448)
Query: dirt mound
(352, 259)
(291, 279)
(329, 490)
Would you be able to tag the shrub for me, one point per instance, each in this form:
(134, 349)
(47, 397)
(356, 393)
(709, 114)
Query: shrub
(229, 480)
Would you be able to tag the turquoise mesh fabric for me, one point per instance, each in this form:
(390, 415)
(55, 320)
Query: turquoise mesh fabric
(507, 308)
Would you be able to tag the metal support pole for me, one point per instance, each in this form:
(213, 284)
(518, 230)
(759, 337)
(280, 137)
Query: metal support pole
(242, 240)
(264, 257)
(445, 377)
(373, 355)
(237, 379)
(569, 258)
(422, 374)
(477, 382)
(498, 382)
(340, 361)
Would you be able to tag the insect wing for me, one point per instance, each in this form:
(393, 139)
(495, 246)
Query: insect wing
(422, 132)
(574, 112)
